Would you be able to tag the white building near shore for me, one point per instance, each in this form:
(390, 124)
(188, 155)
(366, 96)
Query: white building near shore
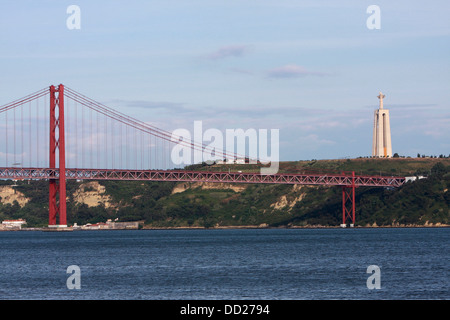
(13, 224)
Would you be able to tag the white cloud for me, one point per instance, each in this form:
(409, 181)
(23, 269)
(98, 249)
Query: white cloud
(292, 71)
(228, 51)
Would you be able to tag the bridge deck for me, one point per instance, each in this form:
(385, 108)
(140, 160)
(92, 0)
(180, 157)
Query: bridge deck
(203, 176)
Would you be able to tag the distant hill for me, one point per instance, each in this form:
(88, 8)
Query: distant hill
(423, 202)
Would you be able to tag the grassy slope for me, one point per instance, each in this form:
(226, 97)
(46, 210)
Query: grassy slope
(424, 201)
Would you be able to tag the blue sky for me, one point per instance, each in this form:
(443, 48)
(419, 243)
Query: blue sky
(311, 69)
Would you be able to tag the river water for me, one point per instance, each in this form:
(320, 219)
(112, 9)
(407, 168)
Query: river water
(256, 264)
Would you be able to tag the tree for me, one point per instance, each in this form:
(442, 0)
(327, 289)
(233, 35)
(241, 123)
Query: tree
(439, 169)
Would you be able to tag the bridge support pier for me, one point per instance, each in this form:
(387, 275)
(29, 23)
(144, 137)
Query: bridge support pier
(348, 203)
(57, 184)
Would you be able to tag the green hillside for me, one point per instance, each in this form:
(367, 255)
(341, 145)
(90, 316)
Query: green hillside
(167, 204)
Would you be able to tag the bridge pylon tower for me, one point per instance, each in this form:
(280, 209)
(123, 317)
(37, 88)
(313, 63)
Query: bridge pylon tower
(348, 203)
(57, 183)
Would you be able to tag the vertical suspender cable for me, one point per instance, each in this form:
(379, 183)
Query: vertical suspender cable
(103, 143)
(149, 151)
(121, 147)
(106, 137)
(153, 152)
(29, 135)
(37, 133)
(21, 136)
(97, 145)
(126, 147)
(91, 142)
(113, 142)
(67, 136)
(6, 138)
(82, 138)
(164, 154)
(14, 135)
(46, 132)
(76, 134)
(135, 144)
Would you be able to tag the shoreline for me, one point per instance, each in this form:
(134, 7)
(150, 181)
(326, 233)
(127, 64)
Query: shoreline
(296, 227)
(70, 229)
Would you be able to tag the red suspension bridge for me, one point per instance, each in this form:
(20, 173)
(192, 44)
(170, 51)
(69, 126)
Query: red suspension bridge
(57, 133)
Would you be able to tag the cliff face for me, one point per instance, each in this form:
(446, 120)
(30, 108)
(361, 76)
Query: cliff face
(183, 186)
(8, 195)
(288, 201)
(92, 194)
